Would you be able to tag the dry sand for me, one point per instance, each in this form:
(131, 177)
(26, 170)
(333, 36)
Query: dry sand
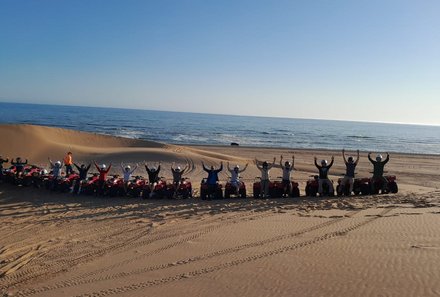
(61, 245)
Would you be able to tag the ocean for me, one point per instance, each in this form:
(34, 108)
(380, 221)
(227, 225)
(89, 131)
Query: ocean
(209, 129)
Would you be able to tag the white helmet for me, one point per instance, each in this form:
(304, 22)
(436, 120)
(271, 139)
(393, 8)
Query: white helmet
(236, 167)
(127, 168)
(379, 157)
(324, 162)
(58, 163)
(153, 169)
(43, 172)
(178, 169)
(103, 166)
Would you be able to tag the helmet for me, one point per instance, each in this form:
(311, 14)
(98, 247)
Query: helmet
(178, 169)
(236, 167)
(350, 159)
(287, 164)
(43, 172)
(58, 163)
(103, 166)
(379, 158)
(153, 169)
(265, 164)
(127, 168)
(324, 162)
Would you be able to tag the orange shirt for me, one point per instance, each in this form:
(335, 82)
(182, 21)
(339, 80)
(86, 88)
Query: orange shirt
(68, 160)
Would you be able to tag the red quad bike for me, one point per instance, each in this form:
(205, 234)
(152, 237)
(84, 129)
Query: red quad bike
(136, 186)
(312, 187)
(277, 189)
(158, 192)
(391, 186)
(184, 190)
(114, 186)
(360, 186)
(11, 175)
(30, 175)
(210, 192)
(66, 183)
(88, 186)
(230, 190)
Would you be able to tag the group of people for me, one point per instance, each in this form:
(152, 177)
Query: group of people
(287, 168)
(212, 178)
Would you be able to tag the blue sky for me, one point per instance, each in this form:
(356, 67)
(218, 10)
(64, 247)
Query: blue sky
(345, 60)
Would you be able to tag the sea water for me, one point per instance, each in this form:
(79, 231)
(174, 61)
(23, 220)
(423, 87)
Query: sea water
(209, 129)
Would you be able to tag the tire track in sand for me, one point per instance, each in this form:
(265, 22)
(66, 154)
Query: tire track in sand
(186, 261)
(211, 269)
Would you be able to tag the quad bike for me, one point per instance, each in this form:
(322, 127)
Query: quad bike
(66, 183)
(376, 185)
(158, 190)
(312, 187)
(136, 186)
(184, 189)
(210, 191)
(114, 186)
(231, 190)
(87, 186)
(278, 189)
(360, 186)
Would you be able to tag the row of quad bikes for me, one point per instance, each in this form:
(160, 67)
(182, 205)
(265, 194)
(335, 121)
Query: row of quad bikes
(114, 186)
(140, 187)
(361, 186)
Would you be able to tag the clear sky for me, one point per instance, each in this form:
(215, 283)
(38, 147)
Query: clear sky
(375, 60)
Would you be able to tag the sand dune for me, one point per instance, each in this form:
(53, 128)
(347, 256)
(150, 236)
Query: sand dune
(62, 245)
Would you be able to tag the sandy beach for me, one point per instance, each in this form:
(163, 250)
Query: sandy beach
(54, 244)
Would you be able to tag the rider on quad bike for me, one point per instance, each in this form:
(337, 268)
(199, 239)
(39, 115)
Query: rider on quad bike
(127, 172)
(19, 166)
(378, 168)
(323, 176)
(212, 178)
(68, 162)
(153, 177)
(235, 176)
(287, 170)
(265, 178)
(350, 165)
(1, 165)
(103, 171)
(83, 170)
(178, 176)
(56, 172)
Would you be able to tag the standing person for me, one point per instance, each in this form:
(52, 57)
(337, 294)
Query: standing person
(235, 176)
(83, 170)
(378, 167)
(265, 177)
(212, 178)
(350, 166)
(1, 165)
(68, 162)
(56, 172)
(287, 170)
(127, 172)
(103, 171)
(323, 176)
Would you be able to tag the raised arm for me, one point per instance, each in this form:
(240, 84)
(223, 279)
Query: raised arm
(77, 167)
(109, 167)
(204, 168)
(387, 159)
(135, 167)
(229, 168)
(273, 163)
(331, 163)
(316, 163)
(88, 167)
(343, 156)
(357, 159)
(281, 161)
(256, 164)
(221, 167)
(245, 167)
(97, 166)
(369, 158)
